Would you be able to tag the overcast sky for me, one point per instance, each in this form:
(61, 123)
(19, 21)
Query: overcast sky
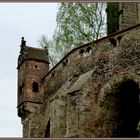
(30, 20)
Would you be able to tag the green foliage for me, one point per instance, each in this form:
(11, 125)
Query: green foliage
(55, 52)
(50, 45)
(77, 24)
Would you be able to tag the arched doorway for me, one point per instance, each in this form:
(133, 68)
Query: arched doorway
(120, 110)
(128, 106)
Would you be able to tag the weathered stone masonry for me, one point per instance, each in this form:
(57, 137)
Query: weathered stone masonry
(92, 92)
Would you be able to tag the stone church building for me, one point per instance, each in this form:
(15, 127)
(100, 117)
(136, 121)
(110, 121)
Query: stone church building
(93, 91)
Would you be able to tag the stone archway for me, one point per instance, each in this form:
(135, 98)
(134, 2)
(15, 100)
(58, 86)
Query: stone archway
(120, 108)
(128, 109)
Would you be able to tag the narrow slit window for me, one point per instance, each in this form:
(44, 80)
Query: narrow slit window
(35, 87)
(47, 130)
(20, 89)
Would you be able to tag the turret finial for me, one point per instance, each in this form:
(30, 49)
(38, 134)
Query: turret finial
(46, 49)
(23, 42)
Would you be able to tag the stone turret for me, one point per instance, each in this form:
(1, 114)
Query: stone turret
(33, 64)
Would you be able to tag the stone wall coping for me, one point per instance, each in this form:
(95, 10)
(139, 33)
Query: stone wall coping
(88, 44)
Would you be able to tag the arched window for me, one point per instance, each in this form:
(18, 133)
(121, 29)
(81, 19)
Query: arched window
(35, 87)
